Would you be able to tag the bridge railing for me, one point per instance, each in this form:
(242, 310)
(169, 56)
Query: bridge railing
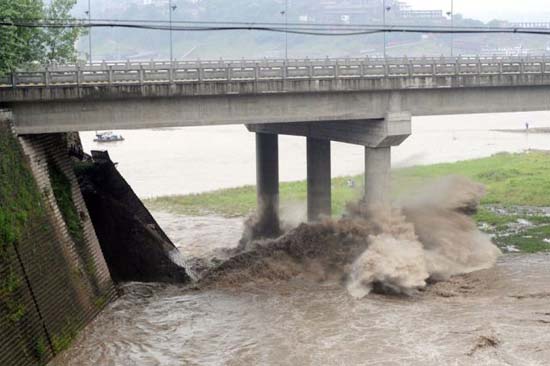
(221, 70)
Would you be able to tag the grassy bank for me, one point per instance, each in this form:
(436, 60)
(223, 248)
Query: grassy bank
(511, 180)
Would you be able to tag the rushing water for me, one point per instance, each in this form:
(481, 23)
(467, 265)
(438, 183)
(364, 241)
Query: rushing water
(499, 316)
(495, 317)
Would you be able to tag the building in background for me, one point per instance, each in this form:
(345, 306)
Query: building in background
(370, 11)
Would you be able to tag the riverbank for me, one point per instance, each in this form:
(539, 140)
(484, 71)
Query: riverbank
(514, 183)
(525, 130)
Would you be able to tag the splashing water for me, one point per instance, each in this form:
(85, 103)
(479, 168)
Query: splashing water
(443, 241)
(388, 249)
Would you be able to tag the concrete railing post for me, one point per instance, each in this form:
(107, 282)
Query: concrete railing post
(267, 184)
(47, 76)
(170, 74)
(78, 76)
(141, 77)
(110, 75)
(318, 179)
(13, 79)
(521, 67)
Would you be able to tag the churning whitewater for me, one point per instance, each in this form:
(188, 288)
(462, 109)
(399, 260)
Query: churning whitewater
(397, 249)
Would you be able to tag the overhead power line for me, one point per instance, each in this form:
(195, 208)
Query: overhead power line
(293, 28)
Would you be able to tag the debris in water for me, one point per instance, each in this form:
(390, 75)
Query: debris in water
(484, 342)
(540, 295)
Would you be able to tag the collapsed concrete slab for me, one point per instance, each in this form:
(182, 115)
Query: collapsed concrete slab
(134, 245)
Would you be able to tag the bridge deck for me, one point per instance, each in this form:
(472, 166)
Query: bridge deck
(117, 73)
(160, 94)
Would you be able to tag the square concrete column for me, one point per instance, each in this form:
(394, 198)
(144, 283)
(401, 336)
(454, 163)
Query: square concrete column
(318, 178)
(377, 175)
(267, 184)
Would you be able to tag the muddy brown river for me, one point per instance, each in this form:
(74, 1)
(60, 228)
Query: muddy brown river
(499, 316)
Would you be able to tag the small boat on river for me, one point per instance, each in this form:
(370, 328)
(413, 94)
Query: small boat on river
(108, 136)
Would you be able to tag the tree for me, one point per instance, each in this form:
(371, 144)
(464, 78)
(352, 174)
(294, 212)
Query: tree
(19, 45)
(22, 45)
(59, 43)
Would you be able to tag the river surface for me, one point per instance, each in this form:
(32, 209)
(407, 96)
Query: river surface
(499, 316)
(495, 317)
(197, 159)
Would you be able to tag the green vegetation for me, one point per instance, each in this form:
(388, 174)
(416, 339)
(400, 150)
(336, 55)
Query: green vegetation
(241, 201)
(530, 240)
(63, 339)
(510, 180)
(41, 349)
(22, 46)
(495, 221)
(61, 342)
(62, 191)
(20, 203)
(23, 211)
(20, 206)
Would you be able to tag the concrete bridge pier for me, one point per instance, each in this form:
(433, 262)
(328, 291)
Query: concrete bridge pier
(318, 179)
(267, 184)
(391, 131)
(376, 135)
(377, 175)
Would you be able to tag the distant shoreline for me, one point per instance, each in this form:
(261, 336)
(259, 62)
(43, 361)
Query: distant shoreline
(523, 130)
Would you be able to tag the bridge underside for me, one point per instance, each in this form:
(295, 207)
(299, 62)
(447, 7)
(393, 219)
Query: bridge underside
(334, 106)
(377, 137)
(363, 111)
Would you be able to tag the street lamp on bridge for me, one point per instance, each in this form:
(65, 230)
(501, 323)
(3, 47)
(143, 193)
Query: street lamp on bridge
(171, 9)
(384, 10)
(285, 14)
(451, 14)
(89, 14)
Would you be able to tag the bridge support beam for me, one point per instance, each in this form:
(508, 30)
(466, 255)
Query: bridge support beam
(377, 176)
(376, 135)
(394, 129)
(267, 184)
(318, 179)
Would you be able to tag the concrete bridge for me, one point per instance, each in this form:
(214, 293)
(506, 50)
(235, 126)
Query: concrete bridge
(368, 102)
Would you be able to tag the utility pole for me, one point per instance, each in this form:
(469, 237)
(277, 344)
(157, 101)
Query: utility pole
(286, 30)
(89, 13)
(452, 15)
(285, 14)
(170, 10)
(384, 10)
